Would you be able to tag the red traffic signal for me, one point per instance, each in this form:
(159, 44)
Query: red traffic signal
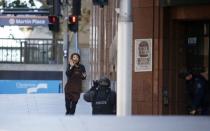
(53, 19)
(53, 23)
(73, 19)
(73, 23)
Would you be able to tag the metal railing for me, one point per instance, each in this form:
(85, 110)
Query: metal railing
(31, 51)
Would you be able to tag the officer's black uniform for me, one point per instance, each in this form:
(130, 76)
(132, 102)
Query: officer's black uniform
(101, 96)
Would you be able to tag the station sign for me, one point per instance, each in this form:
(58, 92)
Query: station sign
(23, 21)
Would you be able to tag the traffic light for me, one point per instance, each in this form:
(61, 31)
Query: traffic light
(101, 3)
(54, 7)
(76, 7)
(53, 23)
(73, 23)
(95, 2)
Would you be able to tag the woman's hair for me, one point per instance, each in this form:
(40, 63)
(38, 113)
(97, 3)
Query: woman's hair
(76, 55)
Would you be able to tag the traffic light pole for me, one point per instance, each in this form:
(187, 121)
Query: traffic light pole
(76, 42)
(124, 59)
(65, 43)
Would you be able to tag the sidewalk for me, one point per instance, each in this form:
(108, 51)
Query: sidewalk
(46, 112)
(39, 104)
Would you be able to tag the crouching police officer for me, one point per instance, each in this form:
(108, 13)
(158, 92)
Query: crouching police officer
(101, 96)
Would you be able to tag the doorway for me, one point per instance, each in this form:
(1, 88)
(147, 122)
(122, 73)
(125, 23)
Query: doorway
(187, 49)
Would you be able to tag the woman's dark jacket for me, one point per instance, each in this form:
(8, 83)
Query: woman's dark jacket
(73, 86)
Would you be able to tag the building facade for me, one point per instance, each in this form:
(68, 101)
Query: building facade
(169, 36)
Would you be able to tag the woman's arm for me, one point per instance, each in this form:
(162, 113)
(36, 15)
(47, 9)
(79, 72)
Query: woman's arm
(83, 71)
(69, 70)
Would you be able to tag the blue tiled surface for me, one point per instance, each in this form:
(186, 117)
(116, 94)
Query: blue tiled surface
(29, 86)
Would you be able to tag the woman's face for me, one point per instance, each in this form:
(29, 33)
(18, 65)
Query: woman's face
(75, 59)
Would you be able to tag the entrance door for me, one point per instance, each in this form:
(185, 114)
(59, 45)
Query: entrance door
(188, 50)
(197, 46)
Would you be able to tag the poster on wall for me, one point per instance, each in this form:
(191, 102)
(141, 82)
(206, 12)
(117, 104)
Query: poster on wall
(143, 55)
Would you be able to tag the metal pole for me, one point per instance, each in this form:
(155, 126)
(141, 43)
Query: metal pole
(92, 47)
(76, 43)
(95, 70)
(124, 59)
(65, 43)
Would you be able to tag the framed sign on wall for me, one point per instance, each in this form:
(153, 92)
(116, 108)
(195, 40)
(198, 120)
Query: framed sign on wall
(143, 55)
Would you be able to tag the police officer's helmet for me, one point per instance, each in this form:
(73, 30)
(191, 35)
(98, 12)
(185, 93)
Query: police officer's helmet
(104, 81)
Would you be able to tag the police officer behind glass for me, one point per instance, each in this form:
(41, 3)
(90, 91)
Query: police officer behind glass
(101, 96)
(197, 93)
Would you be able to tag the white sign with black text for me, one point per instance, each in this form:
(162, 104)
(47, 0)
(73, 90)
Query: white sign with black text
(143, 55)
